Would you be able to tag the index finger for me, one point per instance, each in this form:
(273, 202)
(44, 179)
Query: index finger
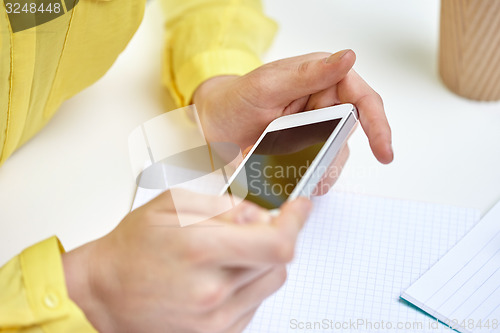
(353, 89)
(283, 81)
(256, 244)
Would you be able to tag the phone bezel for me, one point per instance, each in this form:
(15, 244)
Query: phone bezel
(339, 135)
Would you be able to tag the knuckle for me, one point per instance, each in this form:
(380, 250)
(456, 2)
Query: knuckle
(284, 250)
(245, 210)
(287, 252)
(256, 79)
(194, 252)
(208, 296)
(281, 275)
(378, 98)
(257, 86)
(303, 68)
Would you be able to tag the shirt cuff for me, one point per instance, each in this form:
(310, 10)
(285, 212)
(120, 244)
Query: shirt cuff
(38, 295)
(204, 66)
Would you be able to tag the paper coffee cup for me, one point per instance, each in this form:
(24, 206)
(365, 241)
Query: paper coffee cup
(469, 48)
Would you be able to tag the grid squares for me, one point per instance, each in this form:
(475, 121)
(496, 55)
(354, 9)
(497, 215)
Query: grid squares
(355, 256)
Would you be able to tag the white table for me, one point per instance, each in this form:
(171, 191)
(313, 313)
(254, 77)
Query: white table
(74, 178)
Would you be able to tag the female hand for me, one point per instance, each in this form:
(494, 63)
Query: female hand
(237, 109)
(151, 275)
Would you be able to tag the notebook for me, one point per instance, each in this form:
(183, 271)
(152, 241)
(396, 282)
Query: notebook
(463, 288)
(353, 259)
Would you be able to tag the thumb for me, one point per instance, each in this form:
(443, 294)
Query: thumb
(293, 216)
(290, 79)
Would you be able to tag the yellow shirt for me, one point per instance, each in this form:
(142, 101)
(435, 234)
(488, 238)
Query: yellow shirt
(43, 65)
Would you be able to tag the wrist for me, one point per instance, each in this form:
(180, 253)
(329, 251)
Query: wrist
(206, 88)
(214, 101)
(78, 267)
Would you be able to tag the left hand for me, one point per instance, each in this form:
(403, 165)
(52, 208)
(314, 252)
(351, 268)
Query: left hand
(238, 108)
(151, 275)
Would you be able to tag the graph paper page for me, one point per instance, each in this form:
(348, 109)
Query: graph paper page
(355, 256)
(463, 288)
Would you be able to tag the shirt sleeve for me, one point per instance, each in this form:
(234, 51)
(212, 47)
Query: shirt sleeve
(33, 295)
(207, 38)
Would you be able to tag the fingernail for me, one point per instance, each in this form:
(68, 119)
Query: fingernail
(336, 56)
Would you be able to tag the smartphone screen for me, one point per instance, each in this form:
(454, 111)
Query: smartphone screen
(279, 162)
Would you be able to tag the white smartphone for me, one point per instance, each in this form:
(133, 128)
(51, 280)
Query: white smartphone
(292, 156)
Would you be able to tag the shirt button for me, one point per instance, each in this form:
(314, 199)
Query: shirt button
(51, 300)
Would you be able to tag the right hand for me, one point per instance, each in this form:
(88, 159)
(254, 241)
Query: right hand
(238, 108)
(151, 275)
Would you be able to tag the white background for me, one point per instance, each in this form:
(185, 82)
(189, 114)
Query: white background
(74, 178)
